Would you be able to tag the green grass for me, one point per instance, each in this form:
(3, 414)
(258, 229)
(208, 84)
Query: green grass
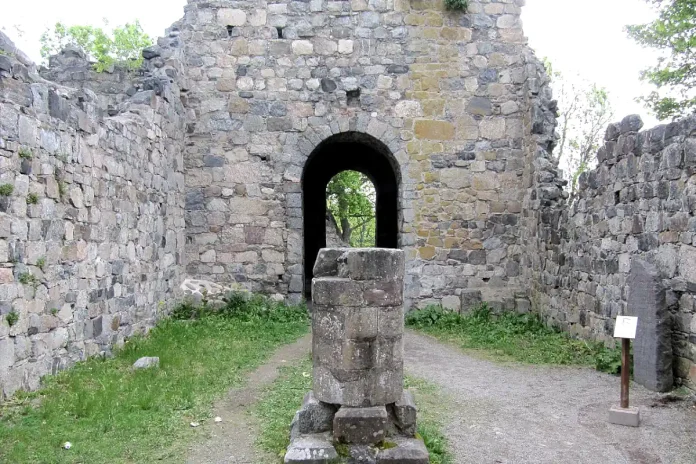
(284, 397)
(111, 413)
(513, 337)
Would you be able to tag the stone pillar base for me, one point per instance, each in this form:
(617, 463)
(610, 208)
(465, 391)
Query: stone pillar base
(322, 433)
(629, 417)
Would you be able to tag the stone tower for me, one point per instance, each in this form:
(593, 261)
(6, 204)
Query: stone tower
(433, 105)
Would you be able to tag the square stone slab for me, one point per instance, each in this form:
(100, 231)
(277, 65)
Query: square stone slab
(406, 451)
(360, 426)
(311, 449)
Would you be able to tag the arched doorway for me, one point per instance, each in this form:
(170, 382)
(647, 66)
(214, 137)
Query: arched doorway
(353, 151)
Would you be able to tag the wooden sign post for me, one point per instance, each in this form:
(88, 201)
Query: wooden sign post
(625, 415)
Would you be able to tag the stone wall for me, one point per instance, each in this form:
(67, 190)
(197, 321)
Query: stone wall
(639, 203)
(445, 91)
(92, 231)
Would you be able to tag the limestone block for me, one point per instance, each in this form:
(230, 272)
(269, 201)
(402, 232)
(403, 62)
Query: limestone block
(337, 291)
(360, 425)
(231, 17)
(652, 348)
(371, 264)
(434, 130)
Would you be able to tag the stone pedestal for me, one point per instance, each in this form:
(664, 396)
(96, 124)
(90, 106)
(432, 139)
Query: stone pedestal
(358, 410)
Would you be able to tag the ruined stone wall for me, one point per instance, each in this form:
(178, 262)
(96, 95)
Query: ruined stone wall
(639, 203)
(92, 231)
(445, 91)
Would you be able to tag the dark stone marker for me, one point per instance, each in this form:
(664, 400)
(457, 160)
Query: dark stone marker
(652, 348)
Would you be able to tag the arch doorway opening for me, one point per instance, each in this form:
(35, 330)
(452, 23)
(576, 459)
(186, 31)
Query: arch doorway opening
(355, 158)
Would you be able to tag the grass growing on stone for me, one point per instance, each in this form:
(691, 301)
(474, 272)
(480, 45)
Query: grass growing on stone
(513, 337)
(284, 397)
(111, 413)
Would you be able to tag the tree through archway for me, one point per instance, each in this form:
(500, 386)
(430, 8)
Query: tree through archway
(348, 151)
(350, 200)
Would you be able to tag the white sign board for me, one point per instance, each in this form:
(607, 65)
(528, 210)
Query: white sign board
(626, 327)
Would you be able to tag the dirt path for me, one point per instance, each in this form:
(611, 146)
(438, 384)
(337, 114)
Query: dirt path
(512, 414)
(232, 440)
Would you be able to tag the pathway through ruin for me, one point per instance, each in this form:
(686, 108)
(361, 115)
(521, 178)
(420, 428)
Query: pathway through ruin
(540, 414)
(232, 440)
(501, 413)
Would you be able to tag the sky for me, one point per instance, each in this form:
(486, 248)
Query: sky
(584, 38)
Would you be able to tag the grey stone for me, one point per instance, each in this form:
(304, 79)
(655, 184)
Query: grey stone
(311, 449)
(629, 417)
(405, 413)
(631, 123)
(146, 362)
(315, 416)
(361, 426)
(652, 348)
(406, 451)
(471, 299)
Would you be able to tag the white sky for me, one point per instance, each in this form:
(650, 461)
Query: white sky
(584, 37)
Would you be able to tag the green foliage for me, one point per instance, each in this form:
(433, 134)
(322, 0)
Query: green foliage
(41, 263)
(25, 153)
(122, 47)
(6, 190)
(584, 111)
(350, 198)
(112, 413)
(244, 307)
(674, 33)
(27, 278)
(462, 5)
(12, 318)
(32, 199)
(512, 336)
(54, 311)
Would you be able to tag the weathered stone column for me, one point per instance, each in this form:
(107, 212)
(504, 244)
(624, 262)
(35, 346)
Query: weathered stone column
(358, 326)
(358, 400)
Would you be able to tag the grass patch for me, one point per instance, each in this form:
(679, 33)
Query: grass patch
(111, 413)
(513, 337)
(284, 397)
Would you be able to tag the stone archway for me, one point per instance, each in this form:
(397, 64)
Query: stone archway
(348, 151)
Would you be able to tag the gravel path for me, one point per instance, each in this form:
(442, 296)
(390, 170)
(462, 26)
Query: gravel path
(232, 440)
(515, 414)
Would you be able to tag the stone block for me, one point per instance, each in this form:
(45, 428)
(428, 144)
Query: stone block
(311, 449)
(471, 299)
(652, 348)
(336, 291)
(629, 417)
(142, 363)
(434, 130)
(371, 264)
(315, 416)
(327, 264)
(406, 451)
(405, 414)
(360, 425)
(383, 293)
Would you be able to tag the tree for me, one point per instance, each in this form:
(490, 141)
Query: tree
(350, 198)
(122, 47)
(584, 113)
(673, 32)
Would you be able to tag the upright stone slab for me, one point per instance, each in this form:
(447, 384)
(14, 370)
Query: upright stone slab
(357, 326)
(652, 348)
